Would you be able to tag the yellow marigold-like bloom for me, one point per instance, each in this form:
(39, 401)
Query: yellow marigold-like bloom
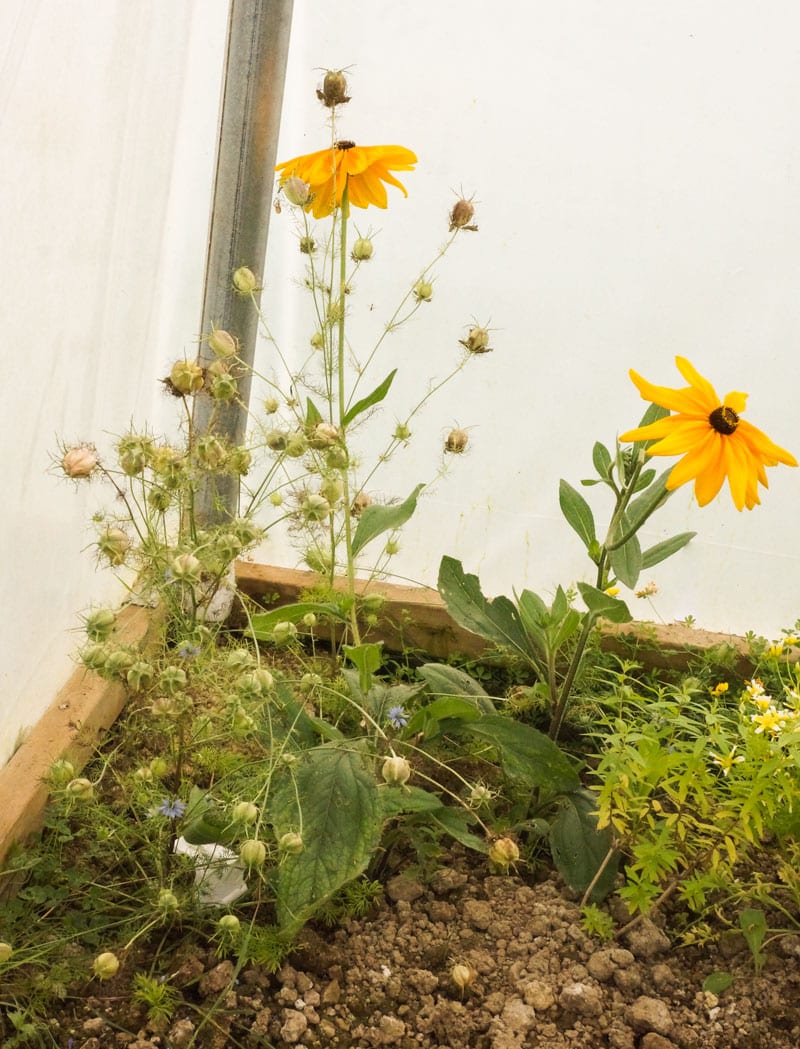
(715, 442)
(770, 721)
(719, 689)
(364, 169)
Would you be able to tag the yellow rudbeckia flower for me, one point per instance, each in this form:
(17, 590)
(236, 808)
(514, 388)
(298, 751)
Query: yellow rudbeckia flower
(715, 442)
(364, 169)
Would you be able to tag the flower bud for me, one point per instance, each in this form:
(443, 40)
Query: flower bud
(253, 853)
(401, 432)
(80, 789)
(6, 950)
(244, 281)
(100, 624)
(222, 343)
(392, 547)
(362, 249)
(105, 965)
(291, 843)
(283, 633)
(276, 498)
(114, 544)
(271, 405)
(477, 341)
(308, 245)
(296, 191)
(185, 568)
(245, 812)
(503, 853)
(172, 680)
(462, 976)
(229, 924)
(186, 377)
(456, 441)
(423, 291)
(79, 462)
(317, 341)
(334, 89)
(396, 770)
(167, 901)
(140, 676)
(461, 215)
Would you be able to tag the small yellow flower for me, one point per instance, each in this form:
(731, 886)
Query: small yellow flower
(715, 442)
(775, 651)
(612, 591)
(755, 687)
(719, 689)
(727, 761)
(363, 169)
(791, 640)
(648, 590)
(770, 721)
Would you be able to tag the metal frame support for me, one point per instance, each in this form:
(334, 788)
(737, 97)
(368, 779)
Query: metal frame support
(254, 75)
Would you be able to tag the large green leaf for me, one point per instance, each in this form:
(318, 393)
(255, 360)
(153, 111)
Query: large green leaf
(626, 561)
(579, 848)
(375, 520)
(375, 397)
(601, 604)
(496, 620)
(525, 753)
(661, 551)
(333, 800)
(648, 502)
(577, 512)
(444, 680)
(421, 805)
(263, 623)
(601, 458)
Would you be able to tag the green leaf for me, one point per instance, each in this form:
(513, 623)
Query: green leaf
(444, 680)
(645, 478)
(579, 848)
(305, 727)
(577, 512)
(626, 561)
(204, 823)
(375, 397)
(661, 551)
(313, 414)
(648, 502)
(263, 623)
(395, 802)
(496, 620)
(601, 458)
(718, 982)
(414, 801)
(602, 604)
(367, 658)
(454, 822)
(335, 800)
(375, 520)
(525, 753)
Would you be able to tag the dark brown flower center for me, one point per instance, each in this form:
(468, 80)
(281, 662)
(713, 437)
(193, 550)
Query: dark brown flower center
(345, 143)
(724, 420)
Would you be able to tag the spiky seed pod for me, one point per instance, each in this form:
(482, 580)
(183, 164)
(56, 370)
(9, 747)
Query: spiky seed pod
(360, 503)
(423, 291)
(222, 343)
(291, 843)
(100, 624)
(105, 965)
(363, 249)
(396, 771)
(114, 544)
(296, 445)
(186, 568)
(271, 405)
(244, 281)
(477, 341)
(456, 442)
(276, 440)
(133, 453)
(167, 901)
(334, 89)
(245, 812)
(323, 435)
(80, 462)
(224, 388)
(461, 215)
(307, 245)
(253, 853)
(186, 377)
(80, 789)
(296, 191)
(402, 432)
(332, 489)
(210, 452)
(503, 853)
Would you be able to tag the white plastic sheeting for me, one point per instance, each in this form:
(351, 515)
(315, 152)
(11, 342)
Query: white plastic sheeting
(109, 121)
(635, 168)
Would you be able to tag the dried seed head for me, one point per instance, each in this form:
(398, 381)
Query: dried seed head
(244, 281)
(360, 503)
(186, 377)
(79, 462)
(334, 89)
(477, 340)
(222, 343)
(307, 245)
(461, 215)
(271, 405)
(296, 191)
(503, 853)
(362, 249)
(456, 441)
(463, 976)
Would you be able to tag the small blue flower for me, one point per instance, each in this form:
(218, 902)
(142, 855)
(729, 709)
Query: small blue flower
(397, 717)
(188, 651)
(174, 809)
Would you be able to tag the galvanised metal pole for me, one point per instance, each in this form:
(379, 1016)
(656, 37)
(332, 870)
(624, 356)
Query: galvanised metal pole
(255, 68)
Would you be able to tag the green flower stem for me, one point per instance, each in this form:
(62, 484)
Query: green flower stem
(566, 688)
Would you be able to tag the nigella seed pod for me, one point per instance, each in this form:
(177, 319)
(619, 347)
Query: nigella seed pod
(222, 343)
(318, 341)
(423, 291)
(396, 771)
(334, 89)
(244, 281)
(139, 677)
(360, 503)
(307, 245)
(80, 789)
(401, 432)
(276, 440)
(100, 624)
(245, 812)
(283, 633)
(296, 191)
(271, 405)
(296, 445)
(185, 568)
(210, 452)
(392, 547)
(315, 507)
(477, 341)
(456, 442)
(461, 215)
(105, 965)
(332, 490)
(6, 950)
(362, 249)
(133, 453)
(79, 462)
(167, 901)
(463, 976)
(238, 659)
(253, 853)
(94, 656)
(114, 544)
(118, 663)
(186, 377)
(229, 924)
(223, 388)
(503, 853)
(291, 843)
(172, 680)
(240, 460)
(61, 772)
(276, 498)
(159, 499)
(323, 435)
